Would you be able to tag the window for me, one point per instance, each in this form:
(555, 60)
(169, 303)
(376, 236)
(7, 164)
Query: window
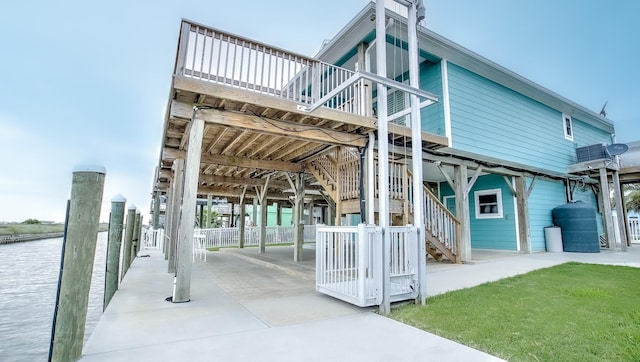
(568, 127)
(488, 204)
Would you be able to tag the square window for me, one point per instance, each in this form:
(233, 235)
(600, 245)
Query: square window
(488, 204)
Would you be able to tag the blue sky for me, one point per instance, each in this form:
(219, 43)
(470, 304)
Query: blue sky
(87, 82)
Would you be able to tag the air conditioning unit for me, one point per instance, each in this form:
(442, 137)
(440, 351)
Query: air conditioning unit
(591, 153)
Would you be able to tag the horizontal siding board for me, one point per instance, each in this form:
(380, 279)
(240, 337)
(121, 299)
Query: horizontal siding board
(546, 195)
(432, 117)
(492, 120)
(493, 233)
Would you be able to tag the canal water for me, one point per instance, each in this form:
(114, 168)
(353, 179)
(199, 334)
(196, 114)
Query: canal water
(28, 283)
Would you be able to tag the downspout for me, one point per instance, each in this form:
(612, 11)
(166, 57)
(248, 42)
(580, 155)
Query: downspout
(367, 52)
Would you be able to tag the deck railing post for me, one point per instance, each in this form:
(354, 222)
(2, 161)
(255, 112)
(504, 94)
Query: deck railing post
(183, 45)
(361, 249)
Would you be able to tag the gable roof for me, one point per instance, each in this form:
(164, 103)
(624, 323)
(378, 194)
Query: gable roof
(361, 26)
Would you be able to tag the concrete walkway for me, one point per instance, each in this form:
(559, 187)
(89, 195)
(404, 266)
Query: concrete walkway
(246, 306)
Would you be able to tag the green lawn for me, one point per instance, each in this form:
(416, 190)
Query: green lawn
(570, 312)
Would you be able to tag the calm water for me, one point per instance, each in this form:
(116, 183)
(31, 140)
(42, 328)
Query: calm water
(28, 282)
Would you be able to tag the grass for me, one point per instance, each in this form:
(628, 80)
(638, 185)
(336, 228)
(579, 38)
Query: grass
(570, 312)
(217, 248)
(21, 229)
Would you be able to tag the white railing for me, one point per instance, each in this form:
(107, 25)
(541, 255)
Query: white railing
(403, 255)
(634, 228)
(439, 222)
(153, 238)
(215, 56)
(230, 237)
(349, 263)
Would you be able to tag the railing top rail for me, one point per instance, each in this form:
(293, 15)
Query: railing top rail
(239, 37)
(435, 198)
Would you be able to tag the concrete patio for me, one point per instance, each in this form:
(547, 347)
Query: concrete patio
(246, 306)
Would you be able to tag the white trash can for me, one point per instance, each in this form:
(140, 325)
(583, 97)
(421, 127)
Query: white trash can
(553, 239)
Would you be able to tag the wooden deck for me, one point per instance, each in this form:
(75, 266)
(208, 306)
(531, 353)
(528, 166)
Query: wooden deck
(256, 124)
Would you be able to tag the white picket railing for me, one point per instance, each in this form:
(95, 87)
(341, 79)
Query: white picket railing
(216, 56)
(349, 263)
(634, 228)
(230, 237)
(153, 238)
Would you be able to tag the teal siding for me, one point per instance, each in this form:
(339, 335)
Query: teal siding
(272, 215)
(432, 117)
(493, 233)
(544, 197)
(586, 134)
(492, 120)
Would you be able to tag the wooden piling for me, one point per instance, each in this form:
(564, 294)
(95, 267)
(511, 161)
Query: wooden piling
(184, 252)
(128, 237)
(156, 211)
(113, 248)
(135, 241)
(80, 246)
(176, 212)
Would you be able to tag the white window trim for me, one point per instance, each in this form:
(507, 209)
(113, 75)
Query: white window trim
(565, 118)
(476, 196)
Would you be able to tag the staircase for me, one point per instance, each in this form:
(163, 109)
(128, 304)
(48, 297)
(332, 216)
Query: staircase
(441, 227)
(338, 174)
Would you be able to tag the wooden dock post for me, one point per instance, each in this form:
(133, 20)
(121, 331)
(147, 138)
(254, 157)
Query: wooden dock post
(135, 241)
(80, 246)
(298, 227)
(128, 237)
(113, 248)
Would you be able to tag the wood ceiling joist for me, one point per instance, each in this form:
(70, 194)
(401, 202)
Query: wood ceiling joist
(280, 128)
(251, 142)
(172, 154)
(233, 142)
(267, 125)
(242, 181)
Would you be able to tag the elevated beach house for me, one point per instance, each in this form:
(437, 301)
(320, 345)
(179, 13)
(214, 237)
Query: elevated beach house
(488, 157)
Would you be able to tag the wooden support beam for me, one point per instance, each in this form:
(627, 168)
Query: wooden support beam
(213, 179)
(242, 96)
(473, 180)
(178, 190)
(172, 154)
(242, 218)
(522, 205)
(606, 208)
(182, 290)
(620, 215)
(462, 213)
(262, 124)
(262, 197)
(281, 128)
(298, 206)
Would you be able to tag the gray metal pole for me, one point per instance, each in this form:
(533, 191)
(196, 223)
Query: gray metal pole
(128, 237)
(113, 248)
(80, 245)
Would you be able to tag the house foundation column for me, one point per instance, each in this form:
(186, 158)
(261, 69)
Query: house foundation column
(182, 287)
(462, 211)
